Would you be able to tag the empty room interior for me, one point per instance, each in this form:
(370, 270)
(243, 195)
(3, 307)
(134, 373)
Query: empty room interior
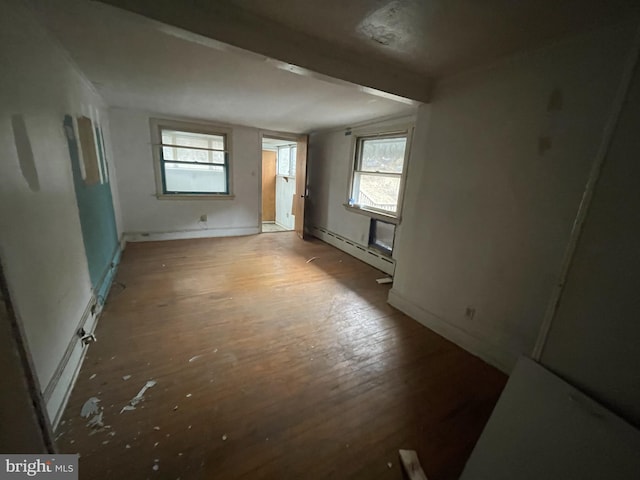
(296, 239)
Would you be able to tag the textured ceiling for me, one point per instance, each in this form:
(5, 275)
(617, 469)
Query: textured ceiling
(439, 37)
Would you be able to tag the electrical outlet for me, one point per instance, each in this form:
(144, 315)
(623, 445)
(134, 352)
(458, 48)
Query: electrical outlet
(470, 312)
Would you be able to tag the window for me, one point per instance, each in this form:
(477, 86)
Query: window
(377, 175)
(287, 160)
(191, 159)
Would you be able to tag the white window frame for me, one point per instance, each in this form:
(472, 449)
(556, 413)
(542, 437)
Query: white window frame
(361, 135)
(158, 124)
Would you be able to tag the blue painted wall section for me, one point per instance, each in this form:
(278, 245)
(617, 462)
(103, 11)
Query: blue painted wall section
(97, 217)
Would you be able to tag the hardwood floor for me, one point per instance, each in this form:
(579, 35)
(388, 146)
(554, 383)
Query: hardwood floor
(269, 367)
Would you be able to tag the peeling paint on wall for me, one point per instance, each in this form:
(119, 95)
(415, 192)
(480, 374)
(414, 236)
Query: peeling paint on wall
(25, 153)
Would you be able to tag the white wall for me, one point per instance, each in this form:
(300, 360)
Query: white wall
(593, 341)
(171, 218)
(285, 188)
(329, 170)
(41, 244)
(488, 209)
(544, 428)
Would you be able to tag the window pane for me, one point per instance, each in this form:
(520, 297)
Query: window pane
(283, 160)
(168, 153)
(195, 178)
(383, 154)
(189, 155)
(188, 139)
(377, 191)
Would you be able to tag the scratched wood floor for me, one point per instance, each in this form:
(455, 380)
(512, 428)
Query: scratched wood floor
(269, 367)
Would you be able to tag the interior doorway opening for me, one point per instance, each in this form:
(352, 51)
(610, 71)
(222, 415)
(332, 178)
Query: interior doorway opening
(278, 184)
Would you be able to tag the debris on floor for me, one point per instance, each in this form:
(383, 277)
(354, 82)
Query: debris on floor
(411, 465)
(90, 407)
(194, 358)
(96, 421)
(99, 429)
(188, 395)
(126, 377)
(389, 464)
(224, 437)
(92, 376)
(312, 259)
(384, 280)
(139, 396)
(156, 428)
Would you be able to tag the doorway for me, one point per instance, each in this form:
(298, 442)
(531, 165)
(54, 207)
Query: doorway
(278, 184)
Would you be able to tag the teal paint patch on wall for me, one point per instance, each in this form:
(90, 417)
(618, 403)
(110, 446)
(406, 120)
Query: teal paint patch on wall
(97, 216)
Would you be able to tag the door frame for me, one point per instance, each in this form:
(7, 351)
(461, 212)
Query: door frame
(290, 137)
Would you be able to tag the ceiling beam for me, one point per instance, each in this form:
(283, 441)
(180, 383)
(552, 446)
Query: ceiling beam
(295, 51)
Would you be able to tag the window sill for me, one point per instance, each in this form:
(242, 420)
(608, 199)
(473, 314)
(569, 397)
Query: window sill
(384, 217)
(197, 196)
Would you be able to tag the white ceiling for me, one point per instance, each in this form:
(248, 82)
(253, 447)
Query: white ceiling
(438, 37)
(137, 63)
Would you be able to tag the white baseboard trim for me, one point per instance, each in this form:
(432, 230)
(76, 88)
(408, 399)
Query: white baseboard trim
(57, 392)
(500, 358)
(186, 234)
(284, 226)
(367, 255)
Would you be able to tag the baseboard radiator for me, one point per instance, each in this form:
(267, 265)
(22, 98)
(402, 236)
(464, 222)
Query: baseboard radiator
(57, 391)
(367, 255)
